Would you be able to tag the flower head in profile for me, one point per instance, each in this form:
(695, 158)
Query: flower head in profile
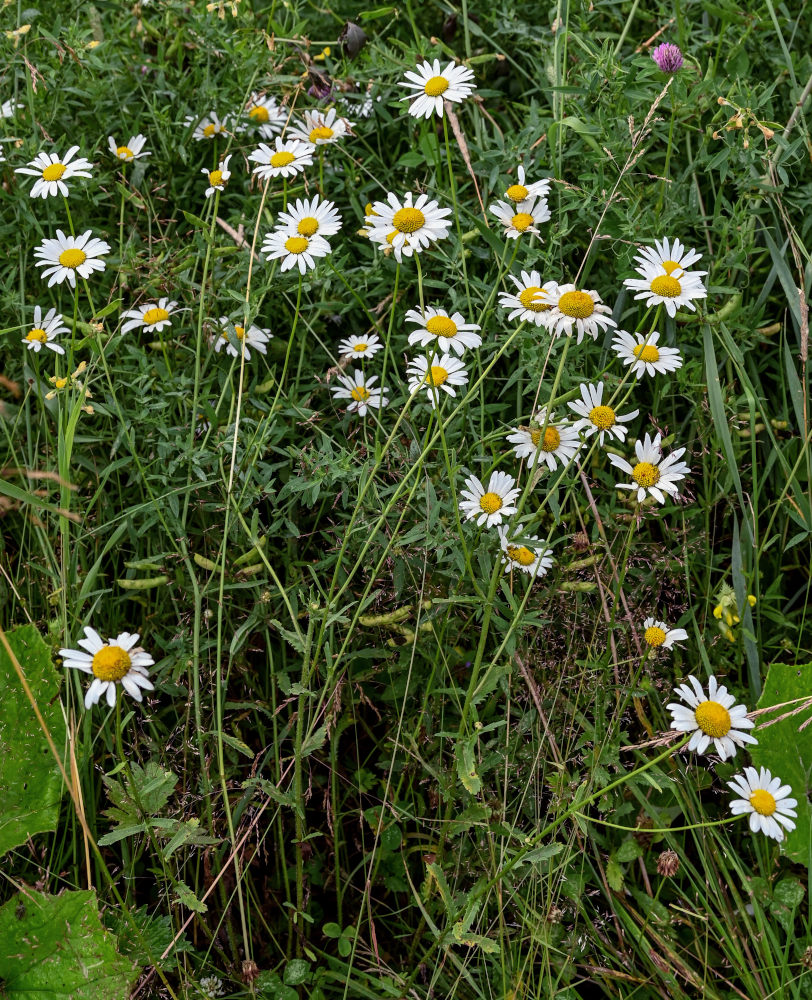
(523, 217)
(132, 150)
(522, 190)
(519, 552)
(53, 170)
(362, 346)
(664, 279)
(489, 506)
(599, 418)
(151, 316)
(321, 128)
(311, 217)
(432, 85)
(546, 441)
(217, 178)
(294, 250)
(668, 57)
(447, 373)
(407, 225)
(117, 661)
(361, 391)
(288, 158)
(578, 311)
(66, 256)
(644, 355)
(208, 127)
(447, 332)
(657, 634)
(254, 338)
(532, 301)
(266, 115)
(652, 473)
(45, 331)
(9, 107)
(712, 718)
(768, 802)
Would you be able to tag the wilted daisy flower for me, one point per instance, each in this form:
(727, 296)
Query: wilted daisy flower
(152, 316)
(52, 171)
(521, 190)
(45, 331)
(133, 150)
(532, 302)
(535, 560)
(117, 661)
(521, 218)
(642, 353)
(557, 442)
(311, 217)
(66, 256)
(254, 337)
(651, 473)
(664, 278)
(217, 178)
(362, 346)
(433, 85)
(768, 802)
(360, 390)
(266, 114)
(7, 108)
(578, 309)
(294, 251)
(289, 158)
(320, 128)
(444, 373)
(659, 634)
(449, 333)
(596, 418)
(491, 505)
(208, 127)
(414, 226)
(716, 718)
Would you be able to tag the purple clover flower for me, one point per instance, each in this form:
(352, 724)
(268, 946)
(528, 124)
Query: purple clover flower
(668, 57)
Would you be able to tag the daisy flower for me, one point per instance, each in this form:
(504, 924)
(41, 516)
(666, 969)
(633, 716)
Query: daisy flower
(311, 217)
(521, 218)
(117, 661)
(664, 278)
(432, 85)
(491, 505)
(360, 390)
(66, 256)
(559, 442)
(714, 718)
(643, 354)
(407, 226)
(289, 158)
(651, 473)
(596, 418)
(363, 346)
(217, 178)
(208, 127)
(295, 251)
(535, 560)
(152, 316)
(532, 301)
(659, 634)
(448, 333)
(52, 171)
(45, 331)
(577, 309)
(766, 800)
(669, 256)
(254, 337)
(444, 373)
(7, 108)
(133, 150)
(264, 112)
(521, 190)
(320, 128)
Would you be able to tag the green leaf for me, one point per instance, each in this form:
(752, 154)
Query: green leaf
(55, 948)
(296, 971)
(461, 936)
(30, 782)
(614, 875)
(187, 898)
(466, 766)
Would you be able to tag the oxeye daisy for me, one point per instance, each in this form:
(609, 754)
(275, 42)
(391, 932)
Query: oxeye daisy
(264, 112)
(673, 289)
(521, 190)
(208, 127)
(715, 718)
(644, 355)
(520, 553)
(132, 150)
(521, 218)
(360, 389)
(320, 128)
(152, 316)
(580, 310)
(289, 158)
(668, 255)
(363, 346)
(448, 333)
(217, 178)
(444, 373)
(67, 256)
(433, 85)
(414, 223)
(117, 661)
(658, 634)
(651, 473)
(532, 301)
(599, 418)
(253, 338)
(310, 217)
(45, 331)
(7, 108)
(294, 251)
(489, 506)
(768, 802)
(52, 170)
(553, 443)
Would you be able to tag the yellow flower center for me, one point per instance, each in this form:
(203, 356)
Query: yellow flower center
(308, 226)
(296, 244)
(73, 257)
(522, 221)
(391, 237)
(111, 663)
(646, 474)
(552, 439)
(603, 417)
(322, 132)
(517, 192)
(155, 315)
(646, 352)
(54, 172)
(215, 178)
(436, 85)
(490, 503)
(358, 348)
(37, 334)
(240, 331)
(666, 286)
(442, 326)
(712, 718)
(209, 131)
(654, 635)
(670, 265)
(579, 305)
(437, 375)
(532, 298)
(408, 220)
(521, 554)
(124, 153)
(259, 114)
(360, 394)
(763, 802)
(282, 159)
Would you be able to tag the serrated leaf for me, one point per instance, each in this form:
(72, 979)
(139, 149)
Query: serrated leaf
(614, 875)
(294, 639)
(438, 875)
(314, 741)
(187, 898)
(466, 766)
(461, 936)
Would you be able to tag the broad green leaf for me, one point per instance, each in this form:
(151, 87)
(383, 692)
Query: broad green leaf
(466, 766)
